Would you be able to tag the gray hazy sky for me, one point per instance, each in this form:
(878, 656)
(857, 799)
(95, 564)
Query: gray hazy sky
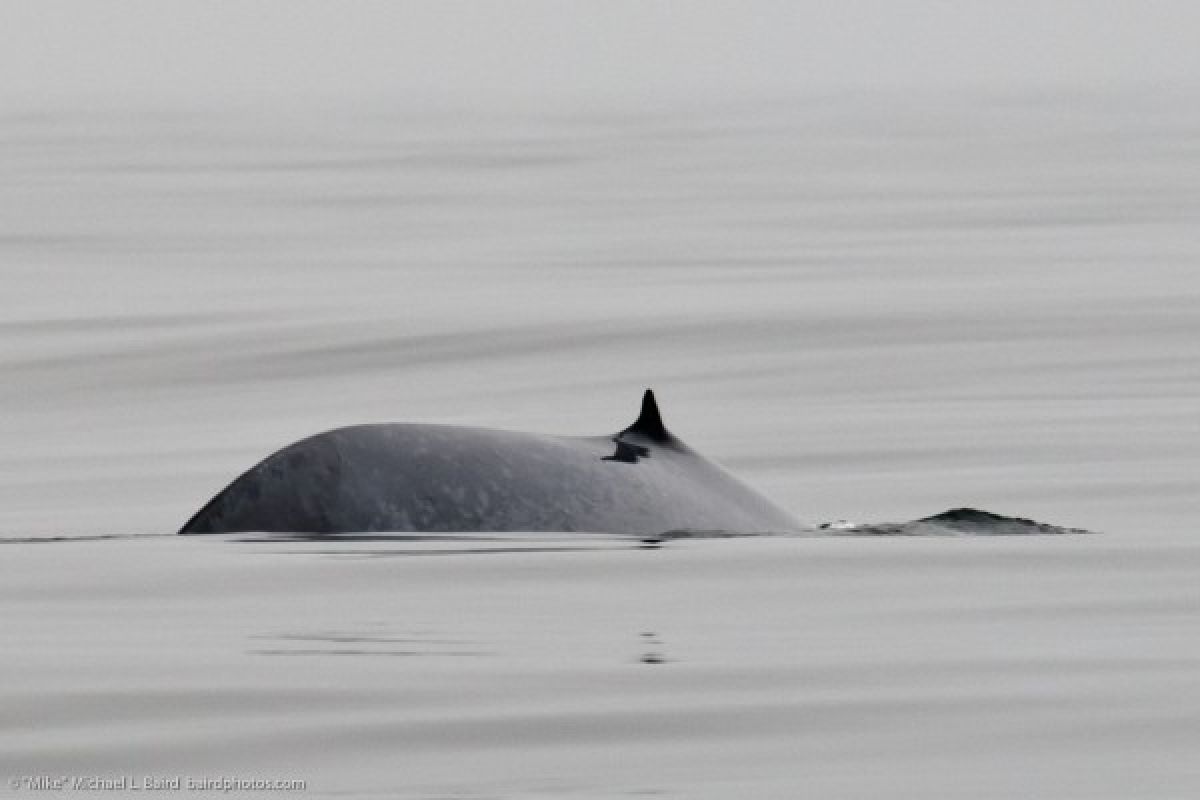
(255, 51)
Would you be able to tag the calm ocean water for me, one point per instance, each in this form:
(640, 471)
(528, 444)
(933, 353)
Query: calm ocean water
(869, 308)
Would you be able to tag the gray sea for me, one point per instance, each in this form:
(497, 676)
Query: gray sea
(870, 307)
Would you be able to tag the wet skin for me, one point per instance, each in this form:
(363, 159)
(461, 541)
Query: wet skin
(410, 478)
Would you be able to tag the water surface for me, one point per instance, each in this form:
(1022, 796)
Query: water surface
(869, 308)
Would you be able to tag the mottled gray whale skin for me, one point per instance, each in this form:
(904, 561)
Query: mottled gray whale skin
(409, 477)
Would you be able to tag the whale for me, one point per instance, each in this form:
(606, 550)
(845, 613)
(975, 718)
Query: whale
(409, 477)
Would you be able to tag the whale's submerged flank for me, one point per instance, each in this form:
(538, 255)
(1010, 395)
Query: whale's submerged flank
(410, 477)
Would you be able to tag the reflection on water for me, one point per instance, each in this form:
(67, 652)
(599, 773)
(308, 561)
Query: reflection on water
(360, 643)
(397, 545)
(651, 649)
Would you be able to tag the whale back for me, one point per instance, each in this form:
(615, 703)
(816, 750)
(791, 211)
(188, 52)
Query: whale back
(414, 477)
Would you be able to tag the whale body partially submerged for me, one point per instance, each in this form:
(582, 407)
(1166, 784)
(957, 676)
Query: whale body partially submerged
(431, 478)
(956, 521)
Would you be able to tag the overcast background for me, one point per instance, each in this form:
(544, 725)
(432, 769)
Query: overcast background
(879, 259)
(247, 52)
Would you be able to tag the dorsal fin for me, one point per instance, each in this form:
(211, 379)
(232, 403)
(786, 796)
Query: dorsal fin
(649, 423)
